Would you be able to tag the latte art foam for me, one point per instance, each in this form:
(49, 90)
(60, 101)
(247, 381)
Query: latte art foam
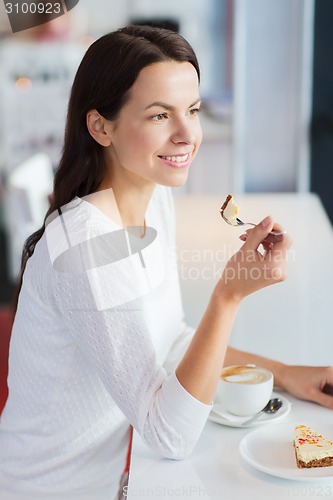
(245, 375)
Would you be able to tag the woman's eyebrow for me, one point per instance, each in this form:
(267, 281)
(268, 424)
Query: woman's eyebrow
(169, 107)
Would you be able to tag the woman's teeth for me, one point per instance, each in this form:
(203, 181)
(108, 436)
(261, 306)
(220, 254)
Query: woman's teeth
(177, 159)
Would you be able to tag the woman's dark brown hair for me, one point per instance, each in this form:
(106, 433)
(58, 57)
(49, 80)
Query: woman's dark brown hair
(103, 82)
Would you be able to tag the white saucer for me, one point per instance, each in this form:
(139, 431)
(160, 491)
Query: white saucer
(273, 452)
(220, 415)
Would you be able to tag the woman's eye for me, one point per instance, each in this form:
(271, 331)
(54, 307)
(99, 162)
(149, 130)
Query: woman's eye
(194, 111)
(160, 117)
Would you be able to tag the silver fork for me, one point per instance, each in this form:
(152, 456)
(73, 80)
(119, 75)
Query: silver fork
(272, 237)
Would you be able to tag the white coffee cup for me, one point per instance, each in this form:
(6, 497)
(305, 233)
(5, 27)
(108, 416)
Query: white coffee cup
(244, 389)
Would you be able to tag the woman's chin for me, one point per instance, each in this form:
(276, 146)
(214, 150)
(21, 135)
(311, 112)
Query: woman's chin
(176, 180)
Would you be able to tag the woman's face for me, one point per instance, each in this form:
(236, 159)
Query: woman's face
(157, 133)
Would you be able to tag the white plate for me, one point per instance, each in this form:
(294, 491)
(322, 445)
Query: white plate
(222, 416)
(273, 452)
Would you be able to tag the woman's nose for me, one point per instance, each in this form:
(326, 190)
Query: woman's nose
(185, 132)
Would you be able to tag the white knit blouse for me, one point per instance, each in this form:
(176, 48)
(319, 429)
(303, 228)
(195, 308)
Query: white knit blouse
(93, 349)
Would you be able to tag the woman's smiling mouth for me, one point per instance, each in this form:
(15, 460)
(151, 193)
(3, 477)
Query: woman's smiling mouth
(176, 161)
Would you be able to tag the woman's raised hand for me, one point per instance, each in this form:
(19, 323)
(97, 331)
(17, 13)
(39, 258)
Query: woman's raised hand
(249, 269)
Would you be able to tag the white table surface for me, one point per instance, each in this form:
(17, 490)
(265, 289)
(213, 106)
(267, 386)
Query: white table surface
(290, 321)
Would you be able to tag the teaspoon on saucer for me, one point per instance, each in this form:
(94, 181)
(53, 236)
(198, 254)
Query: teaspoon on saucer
(272, 406)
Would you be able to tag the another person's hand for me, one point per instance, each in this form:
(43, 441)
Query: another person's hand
(249, 270)
(312, 383)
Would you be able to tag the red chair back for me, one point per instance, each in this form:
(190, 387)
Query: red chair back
(6, 323)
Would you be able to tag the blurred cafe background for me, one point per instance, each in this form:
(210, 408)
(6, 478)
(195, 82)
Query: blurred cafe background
(267, 88)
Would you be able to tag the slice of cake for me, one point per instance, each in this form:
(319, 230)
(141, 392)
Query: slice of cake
(229, 210)
(311, 448)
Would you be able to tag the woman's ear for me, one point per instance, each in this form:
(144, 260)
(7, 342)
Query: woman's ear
(99, 128)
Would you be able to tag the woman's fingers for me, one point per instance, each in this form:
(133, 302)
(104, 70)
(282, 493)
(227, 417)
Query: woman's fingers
(274, 259)
(263, 234)
(258, 234)
(248, 269)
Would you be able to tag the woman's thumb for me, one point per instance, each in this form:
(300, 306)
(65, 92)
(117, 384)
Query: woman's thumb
(259, 233)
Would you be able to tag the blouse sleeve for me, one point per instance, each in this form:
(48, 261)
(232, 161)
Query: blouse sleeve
(108, 325)
(178, 348)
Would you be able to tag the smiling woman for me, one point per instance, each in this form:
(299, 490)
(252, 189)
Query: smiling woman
(99, 343)
(90, 337)
(157, 133)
